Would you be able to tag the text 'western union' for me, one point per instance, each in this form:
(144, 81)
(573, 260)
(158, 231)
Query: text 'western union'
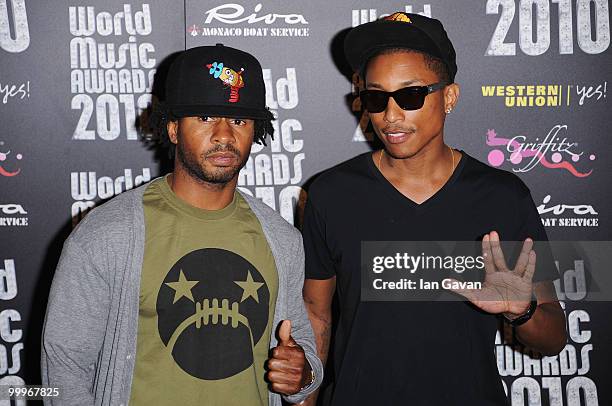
(526, 95)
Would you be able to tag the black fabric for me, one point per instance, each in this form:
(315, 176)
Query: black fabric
(412, 353)
(216, 80)
(400, 30)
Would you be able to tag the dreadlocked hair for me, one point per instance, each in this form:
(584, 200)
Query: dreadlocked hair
(160, 116)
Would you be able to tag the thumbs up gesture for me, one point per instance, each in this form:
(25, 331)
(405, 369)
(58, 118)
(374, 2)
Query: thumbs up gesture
(288, 370)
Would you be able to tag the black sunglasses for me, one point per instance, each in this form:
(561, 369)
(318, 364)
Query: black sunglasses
(408, 98)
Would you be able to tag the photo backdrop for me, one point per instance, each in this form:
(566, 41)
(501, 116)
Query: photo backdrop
(76, 79)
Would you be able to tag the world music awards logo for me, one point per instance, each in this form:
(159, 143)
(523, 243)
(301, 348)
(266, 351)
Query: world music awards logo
(9, 161)
(213, 309)
(553, 152)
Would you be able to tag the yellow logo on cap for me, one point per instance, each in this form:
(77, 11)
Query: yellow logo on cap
(228, 76)
(399, 17)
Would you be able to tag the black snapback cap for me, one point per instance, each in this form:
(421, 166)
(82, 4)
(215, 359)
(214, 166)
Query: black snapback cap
(400, 30)
(216, 81)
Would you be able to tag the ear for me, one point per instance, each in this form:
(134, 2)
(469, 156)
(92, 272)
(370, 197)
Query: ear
(451, 96)
(172, 128)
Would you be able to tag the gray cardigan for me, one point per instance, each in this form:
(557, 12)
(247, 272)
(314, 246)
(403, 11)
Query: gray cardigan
(89, 336)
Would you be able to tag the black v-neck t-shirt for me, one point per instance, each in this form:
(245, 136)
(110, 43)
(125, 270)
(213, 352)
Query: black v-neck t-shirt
(413, 353)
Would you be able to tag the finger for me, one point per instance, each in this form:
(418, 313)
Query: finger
(284, 334)
(283, 388)
(282, 352)
(275, 364)
(277, 377)
(521, 262)
(487, 254)
(498, 254)
(531, 263)
(287, 365)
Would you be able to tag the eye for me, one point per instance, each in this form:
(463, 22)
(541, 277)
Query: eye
(238, 121)
(205, 119)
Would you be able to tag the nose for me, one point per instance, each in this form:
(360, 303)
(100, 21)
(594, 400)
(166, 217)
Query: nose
(223, 132)
(393, 112)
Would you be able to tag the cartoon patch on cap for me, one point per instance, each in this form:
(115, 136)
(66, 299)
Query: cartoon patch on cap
(398, 17)
(229, 77)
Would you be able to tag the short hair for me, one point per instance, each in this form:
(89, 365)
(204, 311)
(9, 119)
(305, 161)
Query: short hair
(161, 115)
(434, 64)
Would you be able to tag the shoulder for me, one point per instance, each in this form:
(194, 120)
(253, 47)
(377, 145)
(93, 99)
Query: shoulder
(111, 221)
(497, 180)
(337, 179)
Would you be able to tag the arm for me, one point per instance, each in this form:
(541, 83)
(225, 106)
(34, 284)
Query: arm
(302, 330)
(545, 331)
(74, 327)
(318, 295)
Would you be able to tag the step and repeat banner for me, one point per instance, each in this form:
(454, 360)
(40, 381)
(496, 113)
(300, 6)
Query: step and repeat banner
(76, 79)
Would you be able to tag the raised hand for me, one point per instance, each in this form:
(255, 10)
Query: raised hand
(504, 290)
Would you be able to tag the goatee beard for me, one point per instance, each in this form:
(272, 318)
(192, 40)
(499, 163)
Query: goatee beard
(195, 167)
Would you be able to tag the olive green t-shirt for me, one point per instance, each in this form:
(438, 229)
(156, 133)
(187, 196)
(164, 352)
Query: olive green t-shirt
(207, 296)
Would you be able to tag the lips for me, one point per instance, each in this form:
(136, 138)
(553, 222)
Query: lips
(222, 158)
(396, 136)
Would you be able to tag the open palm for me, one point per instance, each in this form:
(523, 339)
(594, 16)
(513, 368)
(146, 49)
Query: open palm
(504, 290)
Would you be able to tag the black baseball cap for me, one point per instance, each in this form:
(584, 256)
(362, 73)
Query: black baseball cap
(400, 30)
(217, 81)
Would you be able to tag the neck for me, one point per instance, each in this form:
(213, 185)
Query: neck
(201, 194)
(433, 161)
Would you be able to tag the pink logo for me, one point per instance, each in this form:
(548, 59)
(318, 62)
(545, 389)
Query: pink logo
(193, 30)
(553, 152)
(4, 159)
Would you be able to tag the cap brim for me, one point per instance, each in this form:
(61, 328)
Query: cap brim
(220, 111)
(363, 41)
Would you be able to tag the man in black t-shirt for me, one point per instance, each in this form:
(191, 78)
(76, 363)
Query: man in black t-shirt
(418, 189)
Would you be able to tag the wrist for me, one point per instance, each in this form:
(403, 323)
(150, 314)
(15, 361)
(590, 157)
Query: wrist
(519, 319)
(516, 313)
(308, 376)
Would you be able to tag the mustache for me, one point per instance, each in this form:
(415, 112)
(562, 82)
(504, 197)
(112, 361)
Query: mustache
(394, 129)
(223, 148)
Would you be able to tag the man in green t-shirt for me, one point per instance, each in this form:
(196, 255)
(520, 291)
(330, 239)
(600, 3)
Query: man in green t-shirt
(217, 275)
(209, 281)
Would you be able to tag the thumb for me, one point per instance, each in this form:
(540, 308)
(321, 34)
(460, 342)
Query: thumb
(284, 333)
